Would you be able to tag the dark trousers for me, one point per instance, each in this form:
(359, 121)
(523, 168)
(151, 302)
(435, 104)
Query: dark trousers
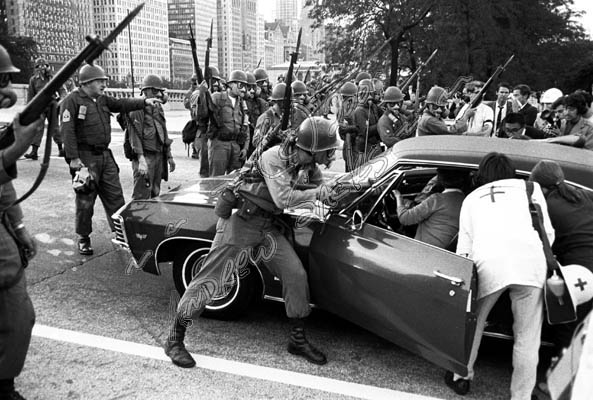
(155, 175)
(201, 147)
(107, 185)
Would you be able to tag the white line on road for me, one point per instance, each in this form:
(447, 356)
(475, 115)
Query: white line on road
(227, 366)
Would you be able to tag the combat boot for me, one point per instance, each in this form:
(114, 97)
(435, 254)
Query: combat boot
(32, 155)
(61, 150)
(300, 346)
(84, 246)
(175, 348)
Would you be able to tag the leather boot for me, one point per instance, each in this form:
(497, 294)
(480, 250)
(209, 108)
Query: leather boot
(84, 246)
(175, 349)
(32, 155)
(300, 346)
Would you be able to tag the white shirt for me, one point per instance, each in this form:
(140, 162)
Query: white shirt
(496, 231)
(484, 115)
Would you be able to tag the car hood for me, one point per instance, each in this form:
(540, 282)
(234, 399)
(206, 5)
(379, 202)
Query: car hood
(204, 191)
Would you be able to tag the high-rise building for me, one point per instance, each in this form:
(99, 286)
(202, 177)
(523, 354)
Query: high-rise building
(58, 26)
(149, 39)
(288, 12)
(199, 14)
(237, 35)
(182, 65)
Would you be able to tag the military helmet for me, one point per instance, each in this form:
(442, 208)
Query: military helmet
(550, 96)
(317, 134)
(362, 75)
(250, 78)
(237, 76)
(41, 61)
(214, 72)
(152, 82)
(278, 91)
(393, 95)
(348, 89)
(437, 95)
(298, 88)
(260, 74)
(366, 84)
(90, 72)
(6, 66)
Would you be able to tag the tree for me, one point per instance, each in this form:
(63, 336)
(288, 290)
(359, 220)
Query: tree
(22, 50)
(357, 27)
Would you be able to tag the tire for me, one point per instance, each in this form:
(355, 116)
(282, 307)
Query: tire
(234, 303)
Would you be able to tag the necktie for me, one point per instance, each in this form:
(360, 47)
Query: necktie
(498, 121)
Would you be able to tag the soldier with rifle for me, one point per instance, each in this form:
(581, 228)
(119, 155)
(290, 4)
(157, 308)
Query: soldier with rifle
(256, 106)
(366, 142)
(17, 247)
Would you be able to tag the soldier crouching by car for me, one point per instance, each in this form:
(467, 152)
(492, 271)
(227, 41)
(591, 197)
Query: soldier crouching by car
(261, 196)
(86, 131)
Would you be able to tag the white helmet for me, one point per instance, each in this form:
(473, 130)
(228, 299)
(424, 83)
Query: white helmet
(550, 96)
(579, 281)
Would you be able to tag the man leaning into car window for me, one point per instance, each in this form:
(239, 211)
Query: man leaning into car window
(261, 196)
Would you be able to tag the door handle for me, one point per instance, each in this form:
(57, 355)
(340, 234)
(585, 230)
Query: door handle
(454, 280)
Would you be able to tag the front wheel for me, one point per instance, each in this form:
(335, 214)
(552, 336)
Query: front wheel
(235, 299)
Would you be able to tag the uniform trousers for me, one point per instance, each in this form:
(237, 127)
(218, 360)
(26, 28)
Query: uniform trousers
(201, 147)
(223, 156)
(527, 305)
(107, 185)
(154, 161)
(237, 240)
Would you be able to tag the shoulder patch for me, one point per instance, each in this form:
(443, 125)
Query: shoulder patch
(66, 116)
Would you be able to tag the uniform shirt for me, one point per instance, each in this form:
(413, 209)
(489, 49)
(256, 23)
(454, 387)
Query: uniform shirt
(299, 114)
(362, 114)
(429, 124)
(437, 217)
(496, 232)
(268, 120)
(391, 131)
(148, 131)
(38, 82)
(87, 121)
(7, 172)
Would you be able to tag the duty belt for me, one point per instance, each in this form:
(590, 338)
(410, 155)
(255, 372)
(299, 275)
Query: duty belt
(96, 149)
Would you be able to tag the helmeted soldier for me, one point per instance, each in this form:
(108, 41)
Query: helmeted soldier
(86, 129)
(347, 128)
(300, 100)
(271, 118)
(263, 82)
(366, 142)
(256, 106)
(393, 125)
(150, 143)
(37, 82)
(17, 246)
(431, 121)
(362, 75)
(275, 183)
(229, 124)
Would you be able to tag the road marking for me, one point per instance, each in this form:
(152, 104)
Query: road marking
(230, 367)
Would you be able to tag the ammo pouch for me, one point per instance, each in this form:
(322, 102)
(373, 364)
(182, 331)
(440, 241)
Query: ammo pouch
(227, 200)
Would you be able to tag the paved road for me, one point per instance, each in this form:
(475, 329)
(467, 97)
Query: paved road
(99, 328)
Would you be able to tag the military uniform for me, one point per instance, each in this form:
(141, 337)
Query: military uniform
(148, 136)
(367, 137)
(299, 114)
(36, 84)
(86, 130)
(200, 111)
(255, 108)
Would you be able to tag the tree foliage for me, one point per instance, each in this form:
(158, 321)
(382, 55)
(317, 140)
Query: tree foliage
(22, 50)
(473, 38)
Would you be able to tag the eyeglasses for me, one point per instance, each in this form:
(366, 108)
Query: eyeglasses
(240, 85)
(4, 80)
(512, 130)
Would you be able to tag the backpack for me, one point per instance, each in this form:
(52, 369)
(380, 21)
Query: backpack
(123, 120)
(188, 134)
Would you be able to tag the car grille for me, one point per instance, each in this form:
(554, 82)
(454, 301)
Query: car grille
(120, 235)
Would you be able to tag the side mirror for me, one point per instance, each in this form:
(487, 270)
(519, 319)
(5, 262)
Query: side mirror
(357, 220)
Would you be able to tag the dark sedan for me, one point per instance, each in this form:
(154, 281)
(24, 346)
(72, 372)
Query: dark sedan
(362, 265)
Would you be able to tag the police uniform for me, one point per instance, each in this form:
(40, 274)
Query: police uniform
(86, 130)
(226, 131)
(149, 137)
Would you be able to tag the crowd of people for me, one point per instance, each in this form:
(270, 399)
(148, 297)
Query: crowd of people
(238, 127)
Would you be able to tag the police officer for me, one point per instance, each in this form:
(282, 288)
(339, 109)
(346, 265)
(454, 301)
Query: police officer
(86, 129)
(260, 202)
(37, 82)
(149, 140)
(228, 128)
(17, 246)
(256, 106)
(431, 122)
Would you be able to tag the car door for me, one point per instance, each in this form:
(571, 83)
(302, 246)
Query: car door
(416, 295)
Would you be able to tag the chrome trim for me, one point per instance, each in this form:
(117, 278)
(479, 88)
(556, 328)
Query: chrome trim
(454, 280)
(121, 238)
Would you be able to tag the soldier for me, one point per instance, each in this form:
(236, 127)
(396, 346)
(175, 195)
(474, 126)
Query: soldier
(256, 106)
(271, 118)
(393, 126)
(260, 202)
(41, 77)
(431, 121)
(367, 141)
(149, 140)
(17, 246)
(86, 130)
(263, 82)
(228, 127)
(300, 100)
(362, 75)
(347, 129)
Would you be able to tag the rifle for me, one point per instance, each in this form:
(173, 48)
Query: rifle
(418, 71)
(307, 75)
(258, 63)
(45, 97)
(192, 41)
(208, 74)
(288, 93)
(499, 70)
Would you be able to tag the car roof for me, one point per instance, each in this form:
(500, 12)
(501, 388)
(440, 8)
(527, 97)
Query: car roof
(576, 163)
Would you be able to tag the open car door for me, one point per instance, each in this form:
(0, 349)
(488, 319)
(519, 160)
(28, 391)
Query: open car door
(416, 295)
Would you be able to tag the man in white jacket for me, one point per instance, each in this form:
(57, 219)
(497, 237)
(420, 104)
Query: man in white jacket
(496, 231)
